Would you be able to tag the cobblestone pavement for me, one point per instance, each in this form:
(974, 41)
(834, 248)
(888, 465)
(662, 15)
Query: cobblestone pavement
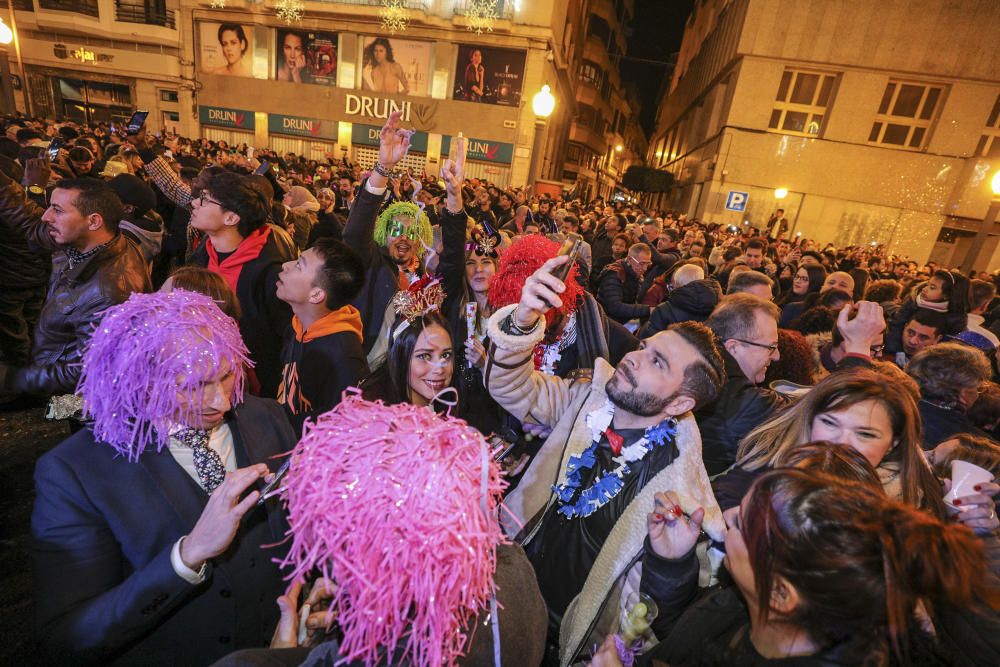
(24, 436)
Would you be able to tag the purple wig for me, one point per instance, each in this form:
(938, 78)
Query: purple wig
(145, 366)
(398, 506)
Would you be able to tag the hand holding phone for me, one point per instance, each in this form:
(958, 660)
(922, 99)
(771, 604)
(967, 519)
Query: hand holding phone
(571, 247)
(135, 123)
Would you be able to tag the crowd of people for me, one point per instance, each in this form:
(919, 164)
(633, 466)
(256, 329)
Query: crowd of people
(321, 414)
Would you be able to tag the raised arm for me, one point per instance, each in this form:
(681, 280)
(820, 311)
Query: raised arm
(24, 216)
(394, 144)
(453, 223)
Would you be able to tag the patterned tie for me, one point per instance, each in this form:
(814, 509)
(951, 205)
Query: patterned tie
(207, 462)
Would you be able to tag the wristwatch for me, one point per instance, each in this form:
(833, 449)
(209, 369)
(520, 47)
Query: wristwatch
(36, 189)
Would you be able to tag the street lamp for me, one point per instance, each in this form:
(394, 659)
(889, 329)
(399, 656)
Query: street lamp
(543, 104)
(986, 227)
(8, 34)
(780, 193)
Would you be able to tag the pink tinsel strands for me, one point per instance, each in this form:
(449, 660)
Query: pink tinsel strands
(387, 502)
(146, 355)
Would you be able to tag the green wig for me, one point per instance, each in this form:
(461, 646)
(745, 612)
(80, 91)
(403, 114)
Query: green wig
(404, 209)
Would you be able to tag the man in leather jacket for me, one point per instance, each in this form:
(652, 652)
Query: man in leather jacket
(93, 267)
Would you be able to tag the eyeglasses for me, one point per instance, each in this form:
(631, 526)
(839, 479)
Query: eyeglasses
(398, 228)
(205, 198)
(876, 350)
(801, 279)
(772, 348)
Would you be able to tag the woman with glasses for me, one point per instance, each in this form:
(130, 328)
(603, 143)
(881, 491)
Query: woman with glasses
(807, 281)
(825, 571)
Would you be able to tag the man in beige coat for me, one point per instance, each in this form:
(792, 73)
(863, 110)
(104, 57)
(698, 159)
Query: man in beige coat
(616, 440)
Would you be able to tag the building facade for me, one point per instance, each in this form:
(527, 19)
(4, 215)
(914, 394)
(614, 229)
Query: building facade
(97, 60)
(323, 85)
(873, 122)
(605, 137)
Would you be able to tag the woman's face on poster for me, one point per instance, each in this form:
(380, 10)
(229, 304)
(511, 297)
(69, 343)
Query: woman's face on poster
(380, 53)
(232, 46)
(476, 57)
(293, 48)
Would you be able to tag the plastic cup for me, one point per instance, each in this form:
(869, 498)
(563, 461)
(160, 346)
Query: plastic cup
(965, 476)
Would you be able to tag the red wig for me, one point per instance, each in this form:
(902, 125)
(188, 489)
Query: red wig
(518, 262)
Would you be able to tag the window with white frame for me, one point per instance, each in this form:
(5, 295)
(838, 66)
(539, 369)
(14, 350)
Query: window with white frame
(801, 105)
(905, 114)
(989, 143)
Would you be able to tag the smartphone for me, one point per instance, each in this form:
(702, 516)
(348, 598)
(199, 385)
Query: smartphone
(262, 169)
(53, 149)
(270, 487)
(136, 122)
(571, 247)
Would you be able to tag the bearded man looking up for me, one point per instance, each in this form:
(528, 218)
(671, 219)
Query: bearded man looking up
(616, 440)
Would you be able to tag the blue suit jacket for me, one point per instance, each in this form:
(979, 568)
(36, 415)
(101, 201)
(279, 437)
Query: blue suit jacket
(102, 532)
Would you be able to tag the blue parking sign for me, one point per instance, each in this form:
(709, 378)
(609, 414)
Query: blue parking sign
(737, 201)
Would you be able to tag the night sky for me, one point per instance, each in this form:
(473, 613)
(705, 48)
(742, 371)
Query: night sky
(656, 33)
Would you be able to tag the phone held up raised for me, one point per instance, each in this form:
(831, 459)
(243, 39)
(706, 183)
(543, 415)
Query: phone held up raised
(571, 247)
(136, 122)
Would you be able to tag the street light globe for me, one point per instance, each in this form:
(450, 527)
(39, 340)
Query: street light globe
(995, 184)
(780, 193)
(618, 148)
(543, 104)
(6, 34)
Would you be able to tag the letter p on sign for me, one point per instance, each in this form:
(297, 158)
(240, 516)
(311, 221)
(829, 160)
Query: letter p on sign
(737, 201)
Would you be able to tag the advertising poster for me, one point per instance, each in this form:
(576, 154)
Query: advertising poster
(395, 65)
(306, 57)
(226, 48)
(485, 74)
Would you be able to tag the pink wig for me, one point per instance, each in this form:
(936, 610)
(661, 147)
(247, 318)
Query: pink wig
(398, 506)
(146, 356)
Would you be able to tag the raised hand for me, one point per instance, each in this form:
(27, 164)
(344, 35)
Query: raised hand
(540, 293)
(394, 142)
(671, 534)
(863, 331)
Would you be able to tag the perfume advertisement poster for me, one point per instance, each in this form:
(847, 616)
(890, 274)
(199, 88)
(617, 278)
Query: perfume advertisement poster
(306, 57)
(395, 66)
(493, 76)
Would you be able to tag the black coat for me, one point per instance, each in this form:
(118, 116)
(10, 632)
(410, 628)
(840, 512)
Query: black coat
(693, 302)
(941, 424)
(102, 531)
(264, 317)
(740, 407)
(619, 293)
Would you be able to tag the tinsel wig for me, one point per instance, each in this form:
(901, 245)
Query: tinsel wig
(405, 209)
(144, 367)
(518, 262)
(397, 505)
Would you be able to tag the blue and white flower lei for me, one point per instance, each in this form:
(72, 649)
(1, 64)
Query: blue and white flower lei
(610, 484)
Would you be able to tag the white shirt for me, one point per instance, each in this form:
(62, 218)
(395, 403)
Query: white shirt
(220, 440)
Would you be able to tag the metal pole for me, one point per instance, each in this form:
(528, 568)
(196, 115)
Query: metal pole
(795, 220)
(984, 230)
(536, 151)
(20, 63)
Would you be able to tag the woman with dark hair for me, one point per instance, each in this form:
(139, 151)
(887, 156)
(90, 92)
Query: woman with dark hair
(197, 279)
(234, 44)
(380, 71)
(944, 292)
(807, 281)
(420, 362)
(871, 412)
(474, 80)
(827, 572)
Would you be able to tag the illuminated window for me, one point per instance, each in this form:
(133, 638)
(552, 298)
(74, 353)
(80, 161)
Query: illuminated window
(989, 143)
(802, 102)
(905, 114)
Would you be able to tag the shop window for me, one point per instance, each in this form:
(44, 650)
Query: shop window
(989, 143)
(86, 7)
(801, 104)
(905, 114)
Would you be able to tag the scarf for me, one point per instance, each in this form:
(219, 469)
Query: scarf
(937, 306)
(347, 318)
(231, 267)
(76, 257)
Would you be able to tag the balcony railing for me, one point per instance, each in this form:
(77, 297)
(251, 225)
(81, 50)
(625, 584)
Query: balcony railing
(504, 8)
(147, 12)
(409, 4)
(85, 7)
